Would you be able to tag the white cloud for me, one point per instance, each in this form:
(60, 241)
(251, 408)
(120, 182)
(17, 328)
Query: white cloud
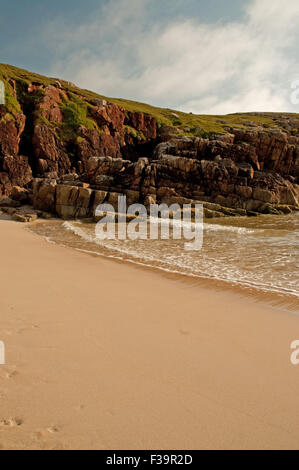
(274, 15)
(206, 68)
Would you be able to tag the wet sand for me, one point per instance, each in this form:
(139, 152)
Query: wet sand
(105, 355)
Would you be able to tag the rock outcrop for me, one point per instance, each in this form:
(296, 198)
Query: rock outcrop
(66, 150)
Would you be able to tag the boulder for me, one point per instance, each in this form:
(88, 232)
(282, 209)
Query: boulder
(23, 217)
(253, 205)
(20, 194)
(44, 194)
(8, 202)
(210, 214)
(99, 198)
(244, 191)
(264, 195)
(72, 202)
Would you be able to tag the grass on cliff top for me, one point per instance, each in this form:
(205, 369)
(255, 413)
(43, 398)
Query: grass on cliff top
(76, 112)
(77, 109)
(11, 103)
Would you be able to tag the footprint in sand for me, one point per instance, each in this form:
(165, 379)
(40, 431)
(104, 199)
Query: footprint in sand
(53, 429)
(27, 328)
(45, 432)
(184, 332)
(11, 374)
(8, 373)
(79, 407)
(11, 422)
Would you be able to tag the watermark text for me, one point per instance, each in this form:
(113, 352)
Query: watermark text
(138, 222)
(295, 93)
(2, 353)
(2, 92)
(295, 353)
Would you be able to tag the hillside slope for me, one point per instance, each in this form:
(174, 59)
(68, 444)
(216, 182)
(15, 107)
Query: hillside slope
(51, 129)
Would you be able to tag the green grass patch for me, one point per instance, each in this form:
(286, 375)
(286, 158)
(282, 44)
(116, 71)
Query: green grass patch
(134, 133)
(76, 114)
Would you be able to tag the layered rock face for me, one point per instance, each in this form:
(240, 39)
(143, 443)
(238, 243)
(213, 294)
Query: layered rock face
(109, 132)
(249, 170)
(14, 168)
(74, 150)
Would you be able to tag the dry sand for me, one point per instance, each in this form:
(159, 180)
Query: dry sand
(103, 355)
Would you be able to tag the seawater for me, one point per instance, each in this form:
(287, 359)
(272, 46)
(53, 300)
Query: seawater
(259, 252)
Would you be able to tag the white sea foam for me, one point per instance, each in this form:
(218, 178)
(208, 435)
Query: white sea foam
(224, 266)
(78, 231)
(230, 228)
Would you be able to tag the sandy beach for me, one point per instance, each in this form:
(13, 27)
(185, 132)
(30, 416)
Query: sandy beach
(106, 355)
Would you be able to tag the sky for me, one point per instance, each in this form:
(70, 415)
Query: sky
(199, 56)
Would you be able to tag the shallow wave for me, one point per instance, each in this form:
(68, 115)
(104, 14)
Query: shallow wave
(206, 226)
(224, 266)
(230, 228)
(255, 285)
(78, 231)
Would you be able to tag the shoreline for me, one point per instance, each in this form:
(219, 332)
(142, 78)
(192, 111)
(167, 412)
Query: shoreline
(110, 356)
(282, 300)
